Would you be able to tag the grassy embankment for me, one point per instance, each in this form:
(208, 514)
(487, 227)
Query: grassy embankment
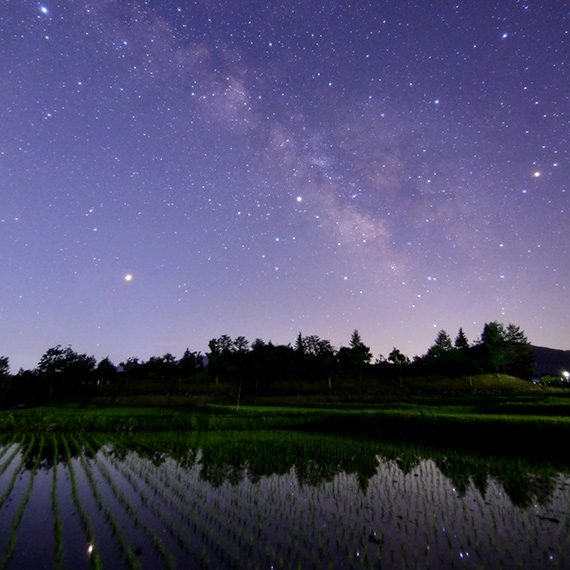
(495, 413)
(300, 391)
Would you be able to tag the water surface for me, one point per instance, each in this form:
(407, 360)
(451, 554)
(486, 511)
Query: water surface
(274, 499)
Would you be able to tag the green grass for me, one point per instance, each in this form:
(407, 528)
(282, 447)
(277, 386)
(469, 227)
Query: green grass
(509, 417)
(312, 391)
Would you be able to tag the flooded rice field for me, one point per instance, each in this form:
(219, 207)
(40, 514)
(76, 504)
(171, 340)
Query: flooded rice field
(273, 500)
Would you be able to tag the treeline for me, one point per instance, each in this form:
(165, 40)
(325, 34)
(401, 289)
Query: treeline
(63, 373)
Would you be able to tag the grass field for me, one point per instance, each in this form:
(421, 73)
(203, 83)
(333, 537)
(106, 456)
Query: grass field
(538, 420)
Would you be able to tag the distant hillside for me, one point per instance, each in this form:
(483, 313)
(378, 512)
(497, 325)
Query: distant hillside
(551, 360)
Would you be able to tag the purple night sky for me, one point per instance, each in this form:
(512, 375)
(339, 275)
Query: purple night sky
(265, 168)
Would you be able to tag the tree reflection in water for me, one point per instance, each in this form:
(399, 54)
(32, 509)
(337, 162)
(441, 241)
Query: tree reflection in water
(224, 498)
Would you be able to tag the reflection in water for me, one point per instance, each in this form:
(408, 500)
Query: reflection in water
(278, 499)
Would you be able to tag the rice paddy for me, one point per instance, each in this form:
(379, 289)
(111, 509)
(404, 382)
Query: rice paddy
(273, 500)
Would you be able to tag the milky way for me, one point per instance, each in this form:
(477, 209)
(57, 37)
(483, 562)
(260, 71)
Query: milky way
(174, 171)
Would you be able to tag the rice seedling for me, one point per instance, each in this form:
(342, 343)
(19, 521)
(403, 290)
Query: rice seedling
(85, 521)
(57, 523)
(9, 459)
(202, 519)
(13, 536)
(6, 449)
(130, 510)
(318, 500)
(156, 504)
(130, 556)
(6, 493)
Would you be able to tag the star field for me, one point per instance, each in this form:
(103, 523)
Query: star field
(174, 171)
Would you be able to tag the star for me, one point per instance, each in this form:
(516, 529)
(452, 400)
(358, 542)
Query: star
(210, 147)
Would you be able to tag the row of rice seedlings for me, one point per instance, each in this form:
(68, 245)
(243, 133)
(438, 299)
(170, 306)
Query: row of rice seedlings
(164, 500)
(165, 480)
(453, 517)
(159, 504)
(389, 516)
(130, 556)
(412, 494)
(16, 448)
(262, 503)
(257, 513)
(23, 457)
(365, 520)
(13, 536)
(136, 485)
(401, 497)
(206, 517)
(250, 517)
(128, 508)
(6, 448)
(544, 536)
(427, 493)
(85, 521)
(57, 523)
(286, 517)
(304, 502)
(214, 507)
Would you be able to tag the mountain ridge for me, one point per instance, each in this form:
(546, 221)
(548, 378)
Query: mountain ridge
(550, 360)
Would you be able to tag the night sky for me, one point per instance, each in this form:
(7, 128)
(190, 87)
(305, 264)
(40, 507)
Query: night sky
(174, 171)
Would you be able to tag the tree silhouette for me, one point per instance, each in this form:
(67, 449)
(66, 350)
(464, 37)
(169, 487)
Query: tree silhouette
(105, 372)
(507, 349)
(400, 362)
(397, 358)
(219, 351)
(461, 341)
(314, 357)
(299, 347)
(65, 370)
(4, 366)
(359, 353)
(5, 380)
(441, 346)
(492, 341)
(519, 352)
(190, 363)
